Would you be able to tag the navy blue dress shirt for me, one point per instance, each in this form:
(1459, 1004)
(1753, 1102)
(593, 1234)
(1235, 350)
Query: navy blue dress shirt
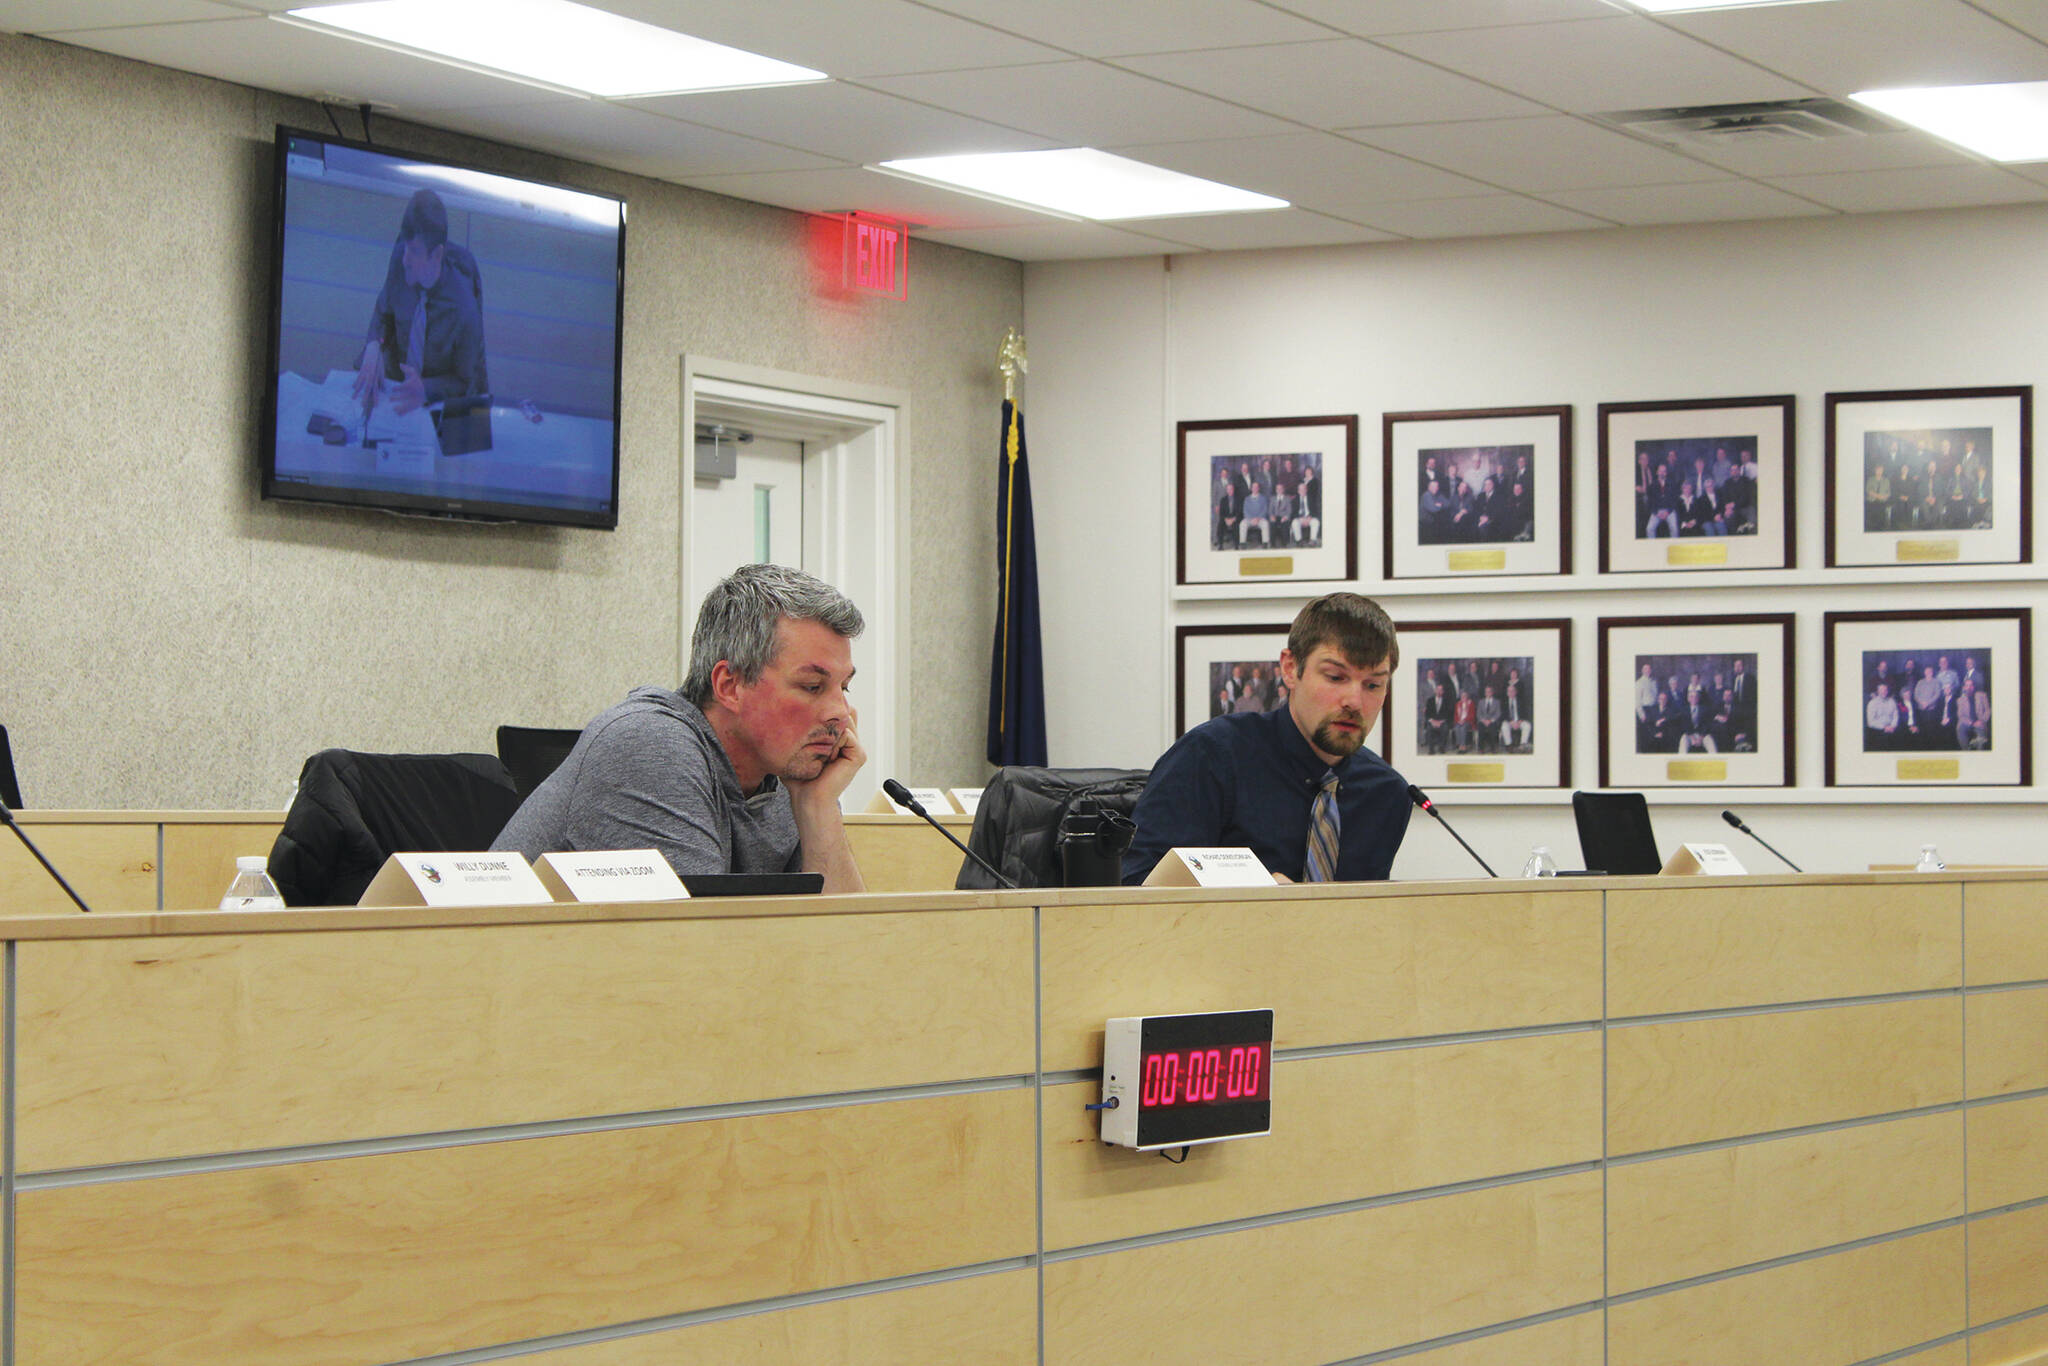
(1248, 779)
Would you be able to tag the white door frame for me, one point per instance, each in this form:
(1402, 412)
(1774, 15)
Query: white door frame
(850, 435)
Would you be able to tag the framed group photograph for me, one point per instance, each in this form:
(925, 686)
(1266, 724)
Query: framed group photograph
(1268, 500)
(1478, 492)
(1696, 701)
(1227, 668)
(1934, 698)
(1695, 484)
(1481, 704)
(1930, 477)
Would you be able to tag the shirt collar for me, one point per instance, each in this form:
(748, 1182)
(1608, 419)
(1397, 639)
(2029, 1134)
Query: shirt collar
(1301, 757)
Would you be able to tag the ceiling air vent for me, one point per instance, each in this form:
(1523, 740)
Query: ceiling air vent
(1726, 125)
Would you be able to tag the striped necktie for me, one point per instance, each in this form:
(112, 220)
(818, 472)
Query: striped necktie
(1323, 824)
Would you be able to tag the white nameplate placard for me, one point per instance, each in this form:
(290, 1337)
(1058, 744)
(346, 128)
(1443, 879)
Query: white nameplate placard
(968, 799)
(610, 875)
(455, 879)
(932, 799)
(1704, 860)
(1209, 868)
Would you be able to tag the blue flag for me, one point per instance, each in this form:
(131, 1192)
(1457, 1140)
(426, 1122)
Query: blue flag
(1016, 685)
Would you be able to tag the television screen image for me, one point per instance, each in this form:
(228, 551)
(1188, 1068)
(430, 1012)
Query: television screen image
(445, 340)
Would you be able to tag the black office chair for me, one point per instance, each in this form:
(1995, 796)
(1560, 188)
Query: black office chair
(533, 752)
(353, 811)
(1017, 826)
(10, 791)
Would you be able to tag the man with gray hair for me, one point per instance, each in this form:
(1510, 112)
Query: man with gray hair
(739, 772)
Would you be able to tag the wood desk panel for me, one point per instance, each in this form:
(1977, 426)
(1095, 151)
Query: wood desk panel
(1347, 1128)
(1825, 1311)
(2008, 1264)
(2005, 932)
(1318, 1290)
(1691, 1214)
(2014, 1344)
(903, 854)
(401, 1255)
(199, 858)
(1334, 970)
(2008, 1153)
(113, 866)
(1713, 948)
(1676, 1082)
(986, 1320)
(135, 1049)
(2008, 1040)
(1576, 1341)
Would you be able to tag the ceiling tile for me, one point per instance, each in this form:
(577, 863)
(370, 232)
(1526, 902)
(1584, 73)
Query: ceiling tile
(844, 122)
(1340, 83)
(1054, 242)
(2029, 16)
(624, 137)
(296, 61)
(1246, 231)
(1091, 28)
(1707, 202)
(1929, 188)
(1427, 16)
(1871, 44)
(1539, 155)
(1082, 104)
(1313, 170)
(1799, 156)
(1595, 65)
(70, 16)
(1485, 216)
(852, 188)
(845, 38)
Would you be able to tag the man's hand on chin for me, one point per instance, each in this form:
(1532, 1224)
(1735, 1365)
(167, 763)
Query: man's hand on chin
(838, 772)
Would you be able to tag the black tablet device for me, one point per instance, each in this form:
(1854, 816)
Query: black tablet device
(1615, 834)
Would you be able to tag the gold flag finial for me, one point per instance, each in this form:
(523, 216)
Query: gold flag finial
(1010, 359)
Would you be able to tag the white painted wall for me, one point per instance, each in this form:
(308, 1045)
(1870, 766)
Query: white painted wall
(1122, 350)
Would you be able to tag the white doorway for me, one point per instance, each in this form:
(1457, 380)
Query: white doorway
(815, 488)
(754, 516)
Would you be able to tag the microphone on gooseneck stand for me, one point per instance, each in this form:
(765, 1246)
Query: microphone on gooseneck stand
(900, 795)
(1736, 821)
(1421, 799)
(48, 867)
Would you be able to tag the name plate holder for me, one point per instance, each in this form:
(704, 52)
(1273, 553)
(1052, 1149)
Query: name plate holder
(455, 879)
(1704, 860)
(1209, 868)
(933, 799)
(610, 875)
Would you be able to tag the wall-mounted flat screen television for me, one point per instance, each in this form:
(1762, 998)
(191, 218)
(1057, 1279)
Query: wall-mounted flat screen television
(445, 340)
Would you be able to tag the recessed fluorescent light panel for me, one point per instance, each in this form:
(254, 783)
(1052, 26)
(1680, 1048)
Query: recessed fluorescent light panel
(2006, 122)
(1080, 182)
(555, 43)
(1682, 6)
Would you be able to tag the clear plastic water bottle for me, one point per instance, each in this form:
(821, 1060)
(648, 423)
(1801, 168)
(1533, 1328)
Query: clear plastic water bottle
(252, 889)
(1930, 862)
(1540, 863)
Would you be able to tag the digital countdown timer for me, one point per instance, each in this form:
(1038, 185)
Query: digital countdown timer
(1170, 1081)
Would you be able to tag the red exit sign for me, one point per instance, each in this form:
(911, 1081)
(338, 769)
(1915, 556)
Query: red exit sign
(877, 256)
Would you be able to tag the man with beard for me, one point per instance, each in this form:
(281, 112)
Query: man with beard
(1297, 776)
(739, 772)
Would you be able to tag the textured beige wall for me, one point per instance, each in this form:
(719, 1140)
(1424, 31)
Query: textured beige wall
(173, 641)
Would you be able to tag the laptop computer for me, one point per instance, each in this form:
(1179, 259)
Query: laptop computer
(1614, 832)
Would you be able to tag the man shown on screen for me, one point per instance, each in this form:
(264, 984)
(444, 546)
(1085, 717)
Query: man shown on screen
(741, 771)
(1295, 784)
(427, 328)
